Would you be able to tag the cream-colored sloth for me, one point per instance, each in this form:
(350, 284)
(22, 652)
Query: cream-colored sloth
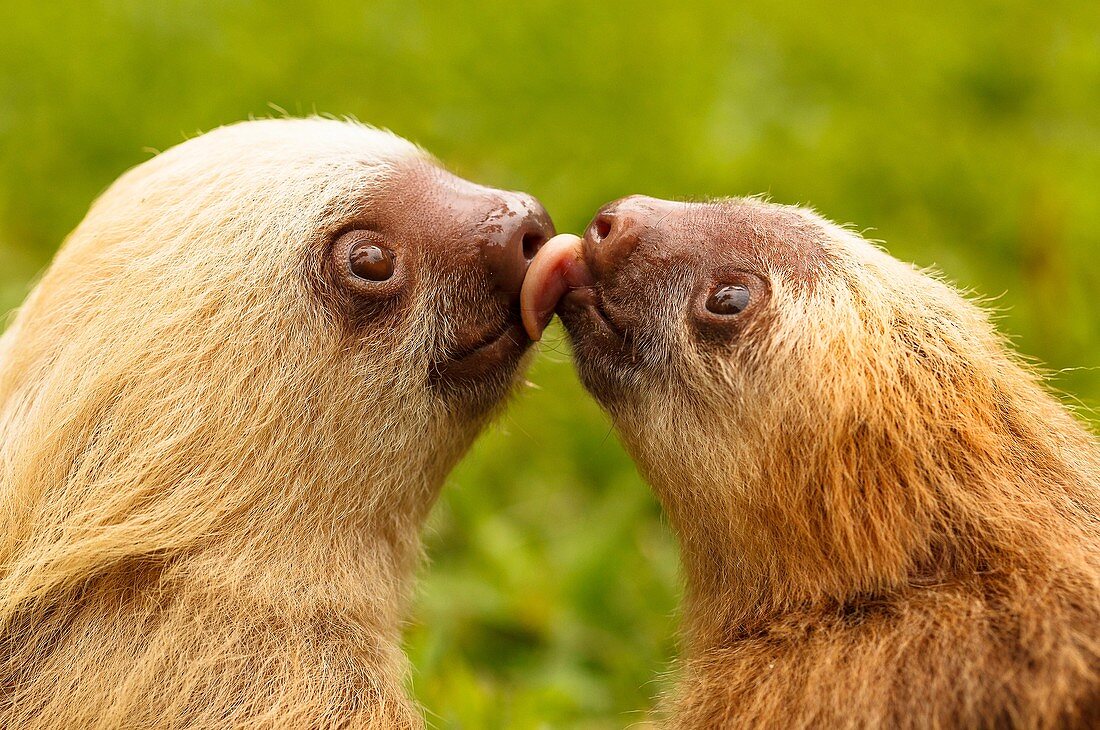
(224, 413)
(885, 519)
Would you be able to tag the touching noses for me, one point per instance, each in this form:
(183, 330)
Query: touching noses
(515, 230)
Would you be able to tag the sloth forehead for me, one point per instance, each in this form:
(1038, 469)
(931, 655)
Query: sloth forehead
(259, 188)
(285, 159)
(303, 141)
(293, 173)
(764, 237)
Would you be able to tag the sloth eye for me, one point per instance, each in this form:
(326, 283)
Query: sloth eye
(370, 261)
(728, 300)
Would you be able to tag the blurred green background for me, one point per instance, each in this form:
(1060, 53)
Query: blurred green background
(964, 134)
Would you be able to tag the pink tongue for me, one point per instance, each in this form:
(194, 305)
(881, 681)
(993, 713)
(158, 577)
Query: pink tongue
(558, 267)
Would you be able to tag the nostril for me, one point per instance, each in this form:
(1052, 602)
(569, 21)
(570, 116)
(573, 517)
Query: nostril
(532, 242)
(601, 228)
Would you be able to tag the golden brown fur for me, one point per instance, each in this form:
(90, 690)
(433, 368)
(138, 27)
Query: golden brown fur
(886, 520)
(211, 487)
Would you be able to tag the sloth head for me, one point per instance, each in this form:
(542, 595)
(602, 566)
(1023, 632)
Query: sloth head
(709, 306)
(810, 410)
(276, 312)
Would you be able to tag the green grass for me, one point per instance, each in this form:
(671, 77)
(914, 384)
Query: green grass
(965, 135)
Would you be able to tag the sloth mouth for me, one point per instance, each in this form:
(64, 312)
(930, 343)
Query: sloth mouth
(561, 280)
(604, 351)
(500, 350)
(583, 314)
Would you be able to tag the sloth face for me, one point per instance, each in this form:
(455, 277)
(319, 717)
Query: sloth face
(428, 254)
(277, 313)
(660, 292)
(315, 268)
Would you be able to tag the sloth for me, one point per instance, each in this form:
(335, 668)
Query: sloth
(225, 411)
(885, 519)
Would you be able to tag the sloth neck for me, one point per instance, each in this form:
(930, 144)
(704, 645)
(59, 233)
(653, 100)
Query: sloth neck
(271, 558)
(275, 521)
(332, 534)
(795, 523)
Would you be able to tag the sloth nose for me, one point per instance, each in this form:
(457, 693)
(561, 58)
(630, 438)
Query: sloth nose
(516, 231)
(618, 226)
(614, 232)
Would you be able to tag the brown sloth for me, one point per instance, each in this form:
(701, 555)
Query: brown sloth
(224, 413)
(885, 519)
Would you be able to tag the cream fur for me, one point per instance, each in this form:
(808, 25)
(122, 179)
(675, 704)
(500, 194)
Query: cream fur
(211, 492)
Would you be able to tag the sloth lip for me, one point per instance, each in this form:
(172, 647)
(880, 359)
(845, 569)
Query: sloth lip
(588, 301)
(505, 334)
(501, 347)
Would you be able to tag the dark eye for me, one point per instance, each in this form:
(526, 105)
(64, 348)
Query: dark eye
(370, 261)
(729, 299)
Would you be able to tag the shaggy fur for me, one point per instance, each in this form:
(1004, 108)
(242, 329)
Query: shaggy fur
(885, 518)
(211, 484)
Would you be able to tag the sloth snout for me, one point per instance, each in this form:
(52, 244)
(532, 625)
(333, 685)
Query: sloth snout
(617, 228)
(513, 240)
(613, 233)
